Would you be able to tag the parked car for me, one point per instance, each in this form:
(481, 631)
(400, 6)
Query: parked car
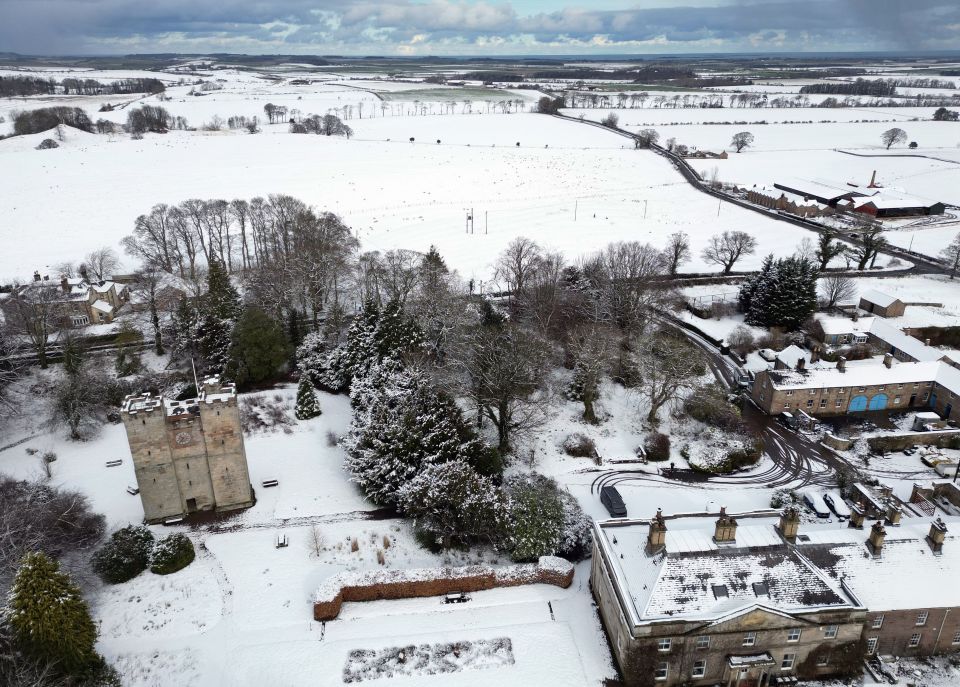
(837, 504)
(613, 502)
(816, 503)
(788, 420)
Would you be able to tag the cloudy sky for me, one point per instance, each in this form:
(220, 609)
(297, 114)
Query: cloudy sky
(475, 27)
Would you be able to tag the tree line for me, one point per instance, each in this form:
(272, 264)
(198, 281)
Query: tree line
(16, 86)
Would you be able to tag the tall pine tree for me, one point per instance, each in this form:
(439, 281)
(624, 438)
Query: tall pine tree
(219, 312)
(307, 405)
(50, 619)
(783, 294)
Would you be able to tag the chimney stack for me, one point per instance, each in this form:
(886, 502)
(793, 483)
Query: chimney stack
(877, 534)
(856, 315)
(726, 529)
(888, 360)
(65, 284)
(938, 532)
(926, 342)
(894, 513)
(657, 536)
(789, 523)
(842, 364)
(857, 515)
(815, 354)
(36, 275)
(801, 364)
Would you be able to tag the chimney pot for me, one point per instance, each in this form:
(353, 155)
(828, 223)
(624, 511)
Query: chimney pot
(842, 364)
(789, 523)
(894, 513)
(657, 535)
(926, 342)
(938, 532)
(65, 284)
(726, 528)
(801, 364)
(888, 360)
(815, 354)
(36, 275)
(857, 515)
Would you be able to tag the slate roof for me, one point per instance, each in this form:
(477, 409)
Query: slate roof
(878, 297)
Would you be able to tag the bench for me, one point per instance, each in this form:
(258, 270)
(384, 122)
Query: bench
(267, 483)
(455, 598)
(133, 491)
(282, 541)
(114, 463)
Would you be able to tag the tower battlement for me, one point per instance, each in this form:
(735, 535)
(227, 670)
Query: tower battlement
(188, 455)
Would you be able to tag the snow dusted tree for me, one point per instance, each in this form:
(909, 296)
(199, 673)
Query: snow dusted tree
(872, 241)
(591, 348)
(891, 137)
(454, 504)
(219, 311)
(516, 264)
(742, 140)
(101, 263)
(827, 250)
(307, 406)
(258, 347)
(677, 251)
(665, 364)
(951, 254)
(50, 619)
(783, 294)
(402, 424)
(727, 248)
(536, 517)
(78, 400)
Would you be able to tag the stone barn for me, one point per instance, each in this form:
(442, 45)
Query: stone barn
(882, 304)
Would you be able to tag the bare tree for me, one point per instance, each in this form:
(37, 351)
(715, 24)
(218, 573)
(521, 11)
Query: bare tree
(726, 248)
(148, 281)
(628, 273)
(102, 263)
(591, 348)
(742, 140)
(893, 136)
(952, 255)
(315, 541)
(666, 364)
(34, 312)
(517, 263)
(835, 288)
(805, 250)
(677, 251)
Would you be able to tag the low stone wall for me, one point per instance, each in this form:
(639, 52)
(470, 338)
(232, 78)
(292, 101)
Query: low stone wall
(898, 442)
(374, 585)
(837, 443)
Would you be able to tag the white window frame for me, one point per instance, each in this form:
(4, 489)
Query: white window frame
(877, 622)
(664, 644)
(699, 668)
(703, 642)
(871, 646)
(956, 637)
(915, 640)
(922, 618)
(831, 632)
(750, 639)
(793, 634)
(661, 672)
(788, 662)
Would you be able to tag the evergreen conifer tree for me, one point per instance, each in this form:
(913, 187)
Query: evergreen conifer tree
(50, 619)
(307, 405)
(221, 299)
(783, 294)
(258, 347)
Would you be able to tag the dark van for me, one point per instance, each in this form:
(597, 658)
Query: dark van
(613, 502)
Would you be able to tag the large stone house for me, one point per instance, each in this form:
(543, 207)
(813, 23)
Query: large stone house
(74, 302)
(750, 599)
(189, 455)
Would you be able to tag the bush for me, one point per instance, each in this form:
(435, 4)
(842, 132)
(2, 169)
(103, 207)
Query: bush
(125, 555)
(171, 554)
(783, 497)
(657, 446)
(579, 446)
(710, 406)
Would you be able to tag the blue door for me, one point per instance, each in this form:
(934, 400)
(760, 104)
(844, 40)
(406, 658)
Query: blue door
(857, 404)
(878, 402)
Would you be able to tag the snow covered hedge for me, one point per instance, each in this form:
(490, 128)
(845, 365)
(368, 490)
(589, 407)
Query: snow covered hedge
(373, 585)
(171, 554)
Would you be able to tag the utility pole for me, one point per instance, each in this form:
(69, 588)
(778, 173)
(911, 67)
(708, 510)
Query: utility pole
(486, 222)
(644, 209)
(575, 203)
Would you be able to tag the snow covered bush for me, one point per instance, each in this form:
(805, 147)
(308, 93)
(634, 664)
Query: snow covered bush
(307, 406)
(576, 537)
(401, 425)
(171, 554)
(783, 497)
(579, 445)
(125, 555)
(454, 505)
(709, 405)
(657, 446)
(783, 294)
(536, 517)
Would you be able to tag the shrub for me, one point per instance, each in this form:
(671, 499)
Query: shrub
(171, 554)
(125, 555)
(783, 497)
(710, 406)
(657, 446)
(579, 445)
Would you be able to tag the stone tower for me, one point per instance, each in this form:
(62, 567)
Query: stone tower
(188, 455)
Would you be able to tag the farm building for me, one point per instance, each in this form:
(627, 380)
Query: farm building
(820, 191)
(882, 304)
(882, 205)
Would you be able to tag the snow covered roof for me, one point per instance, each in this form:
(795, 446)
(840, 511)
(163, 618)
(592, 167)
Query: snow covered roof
(880, 328)
(822, 188)
(878, 297)
(906, 574)
(859, 373)
(102, 306)
(695, 577)
(886, 200)
(836, 326)
(791, 354)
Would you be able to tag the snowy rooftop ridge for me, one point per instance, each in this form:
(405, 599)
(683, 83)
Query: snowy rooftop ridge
(878, 297)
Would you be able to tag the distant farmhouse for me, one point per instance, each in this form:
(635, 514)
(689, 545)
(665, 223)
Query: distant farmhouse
(753, 599)
(189, 455)
(76, 302)
(868, 199)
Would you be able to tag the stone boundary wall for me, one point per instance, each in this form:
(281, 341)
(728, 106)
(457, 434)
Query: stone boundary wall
(375, 585)
(898, 442)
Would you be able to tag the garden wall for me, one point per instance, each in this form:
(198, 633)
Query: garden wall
(406, 584)
(898, 442)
